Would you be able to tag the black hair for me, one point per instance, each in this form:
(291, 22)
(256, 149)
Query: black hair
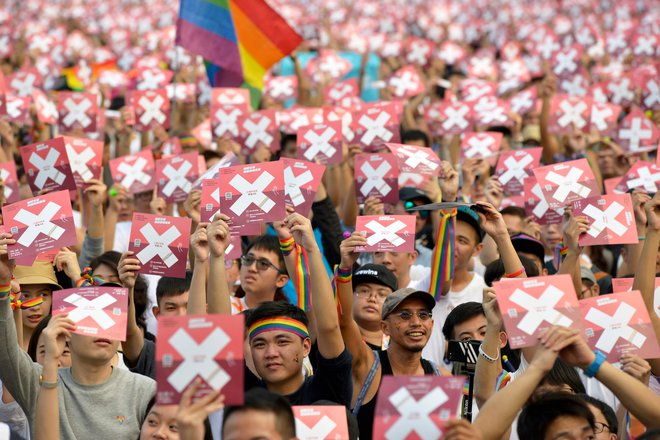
(271, 309)
(514, 210)
(414, 135)
(109, 258)
(286, 138)
(536, 418)
(563, 374)
(171, 286)
(268, 243)
(461, 313)
(260, 399)
(34, 339)
(608, 412)
(210, 154)
(495, 269)
(506, 131)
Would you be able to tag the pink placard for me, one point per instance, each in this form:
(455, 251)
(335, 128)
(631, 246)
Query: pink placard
(618, 324)
(564, 182)
(161, 244)
(10, 180)
(570, 112)
(45, 108)
(85, 159)
(406, 83)
(152, 109)
(412, 159)
(210, 201)
(175, 176)
(376, 175)
(100, 312)
(301, 181)
(374, 125)
(643, 175)
(416, 407)
(637, 133)
(387, 233)
(258, 129)
(224, 121)
(480, 145)
(320, 422)
(322, 142)
(611, 219)
(47, 166)
(208, 347)
(448, 118)
(514, 166)
(134, 172)
(38, 225)
(227, 160)
(530, 306)
(537, 206)
(252, 194)
(77, 110)
(626, 284)
(231, 96)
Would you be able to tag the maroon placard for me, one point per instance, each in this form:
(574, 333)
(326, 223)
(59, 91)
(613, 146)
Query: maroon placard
(480, 145)
(387, 233)
(152, 109)
(10, 180)
(321, 422)
(611, 219)
(374, 125)
(77, 110)
(175, 176)
(301, 181)
(85, 159)
(134, 172)
(377, 175)
(514, 166)
(47, 166)
(564, 182)
(258, 129)
(537, 206)
(643, 175)
(322, 142)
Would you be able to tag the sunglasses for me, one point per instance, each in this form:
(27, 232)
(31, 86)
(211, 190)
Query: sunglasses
(410, 205)
(262, 263)
(423, 315)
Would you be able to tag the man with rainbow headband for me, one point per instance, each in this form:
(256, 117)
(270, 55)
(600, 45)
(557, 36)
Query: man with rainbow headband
(279, 337)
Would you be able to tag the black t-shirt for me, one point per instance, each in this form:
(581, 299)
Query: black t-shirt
(331, 381)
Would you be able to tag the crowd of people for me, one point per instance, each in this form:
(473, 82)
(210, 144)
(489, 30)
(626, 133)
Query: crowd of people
(370, 314)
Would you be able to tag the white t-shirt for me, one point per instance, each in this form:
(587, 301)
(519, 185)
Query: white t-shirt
(434, 350)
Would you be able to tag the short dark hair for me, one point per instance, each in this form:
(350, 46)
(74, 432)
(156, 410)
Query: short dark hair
(461, 313)
(286, 138)
(259, 399)
(109, 258)
(268, 243)
(536, 418)
(651, 434)
(34, 339)
(563, 374)
(171, 286)
(608, 412)
(271, 309)
(415, 135)
(495, 269)
(514, 210)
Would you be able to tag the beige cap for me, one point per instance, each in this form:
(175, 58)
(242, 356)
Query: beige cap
(41, 272)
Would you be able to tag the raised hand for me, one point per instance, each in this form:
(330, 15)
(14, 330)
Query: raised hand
(347, 249)
(190, 416)
(301, 229)
(5, 264)
(158, 205)
(492, 308)
(574, 226)
(492, 221)
(636, 367)
(652, 209)
(96, 192)
(67, 261)
(128, 268)
(199, 243)
(494, 192)
(218, 235)
(55, 335)
(448, 182)
(373, 206)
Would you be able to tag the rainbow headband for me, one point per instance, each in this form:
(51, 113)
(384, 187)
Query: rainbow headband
(282, 323)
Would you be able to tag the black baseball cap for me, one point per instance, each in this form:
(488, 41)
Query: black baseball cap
(411, 193)
(374, 273)
(469, 216)
(529, 245)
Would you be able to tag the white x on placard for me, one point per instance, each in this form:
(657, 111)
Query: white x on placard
(645, 45)
(158, 245)
(85, 308)
(542, 206)
(375, 128)
(319, 143)
(547, 47)
(198, 359)
(455, 118)
(540, 309)
(257, 132)
(152, 110)
(78, 162)
(48, 109)
(416, 178)
(374, 178)
(332, 66)
(418, 53)
(615, 327)
(575, 86)
(635, 134)
(231, 98)
(653, 96)
(295, 183)
(416, 157)
(227, 122)
(134, 172)
(339, 91)
(46, 168)
(620, 91)
(414, 414)
(478, 146)
(521, 101)
(572, 114)
(476, 92)
(403, 83)
(320, 430)
(76, 112)
(39, 224)
(567, 184)
(605, 219)
(252, 193)
(280, 87)
(516, 169)
(599, 116)
(495, 114)
(24, 87)
(4, 175)
(645, 179)
(149, 81)
(566, 62)
(388, 232)
(177, 178)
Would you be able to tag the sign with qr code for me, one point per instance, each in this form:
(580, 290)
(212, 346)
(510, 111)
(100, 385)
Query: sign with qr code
(611, 219)
(301, 181)
(98, 311)
(625, 285)
(321, 422)
(532, 305)
(208, 347)
(564, 182)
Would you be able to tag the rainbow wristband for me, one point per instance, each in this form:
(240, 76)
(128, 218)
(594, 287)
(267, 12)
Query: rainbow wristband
(16, 300)
(287, 245)
(344, 275)
(5, 290)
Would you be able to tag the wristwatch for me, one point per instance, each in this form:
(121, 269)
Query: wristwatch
(48, 385)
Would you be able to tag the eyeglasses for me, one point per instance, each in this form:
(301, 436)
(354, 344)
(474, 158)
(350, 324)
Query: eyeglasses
(600, 427)
(380, 295)
(410, 205)
(423, 315)
(262, 263)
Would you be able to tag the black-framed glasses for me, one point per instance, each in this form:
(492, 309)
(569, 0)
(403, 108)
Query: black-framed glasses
(263, 264)
(423, 315)
(408, 205)
(600, 427)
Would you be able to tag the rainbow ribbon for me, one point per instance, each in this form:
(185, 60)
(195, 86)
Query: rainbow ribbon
(283, 323)
(340, 276)
(560, 254)
(442, 261)
(34, 302)
(302, 271)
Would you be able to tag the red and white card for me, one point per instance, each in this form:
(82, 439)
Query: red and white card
(419, 51)
(322, 142)
(626, 284)
(77, 110)
(38, 225)
(489, 111)
(10, 181)
(474, 89)
(604, 117)
(611, 219)
(134, 172)
(513, 166)
(253, 194)
(643, 175)
(387, 233)
(376, 175)
(523, 102)
(374, 125)
(320, 422)
(530, 306)
(338, 92)
(99, 312)
(175, 176)
(160, 243)
(24, 81)
(537, 206)
(417, 407)
(224, 120)
(637, 133)
(618, 324)
(227, 160)
(18, 109)
(565, 182)
(46, 109)
(568, 113)
(153, 78)
(228, 96)
(291, 120)
(281, 88)
(208, 347)
(47, 166)
(85, 159)
(449, 118)
(301, 181)
(258, 129)
(406, 83)
(210, 199)
(152, 109)
(480, 145)
(416, 160)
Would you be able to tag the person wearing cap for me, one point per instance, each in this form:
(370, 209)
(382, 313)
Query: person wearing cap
(590, 287)
(405, 316)
(530, 247)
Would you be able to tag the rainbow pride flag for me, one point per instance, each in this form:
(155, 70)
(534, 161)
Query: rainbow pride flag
(239, 39)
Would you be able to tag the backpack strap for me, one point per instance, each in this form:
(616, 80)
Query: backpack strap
(367, 383)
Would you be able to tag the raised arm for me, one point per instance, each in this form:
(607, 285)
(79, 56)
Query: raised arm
(493, 224)
(217, 289)
(485, 378)
(128, 268)
(119, 197)
(572, 229)
(93, 242)
(199, 246)
(548, 141)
